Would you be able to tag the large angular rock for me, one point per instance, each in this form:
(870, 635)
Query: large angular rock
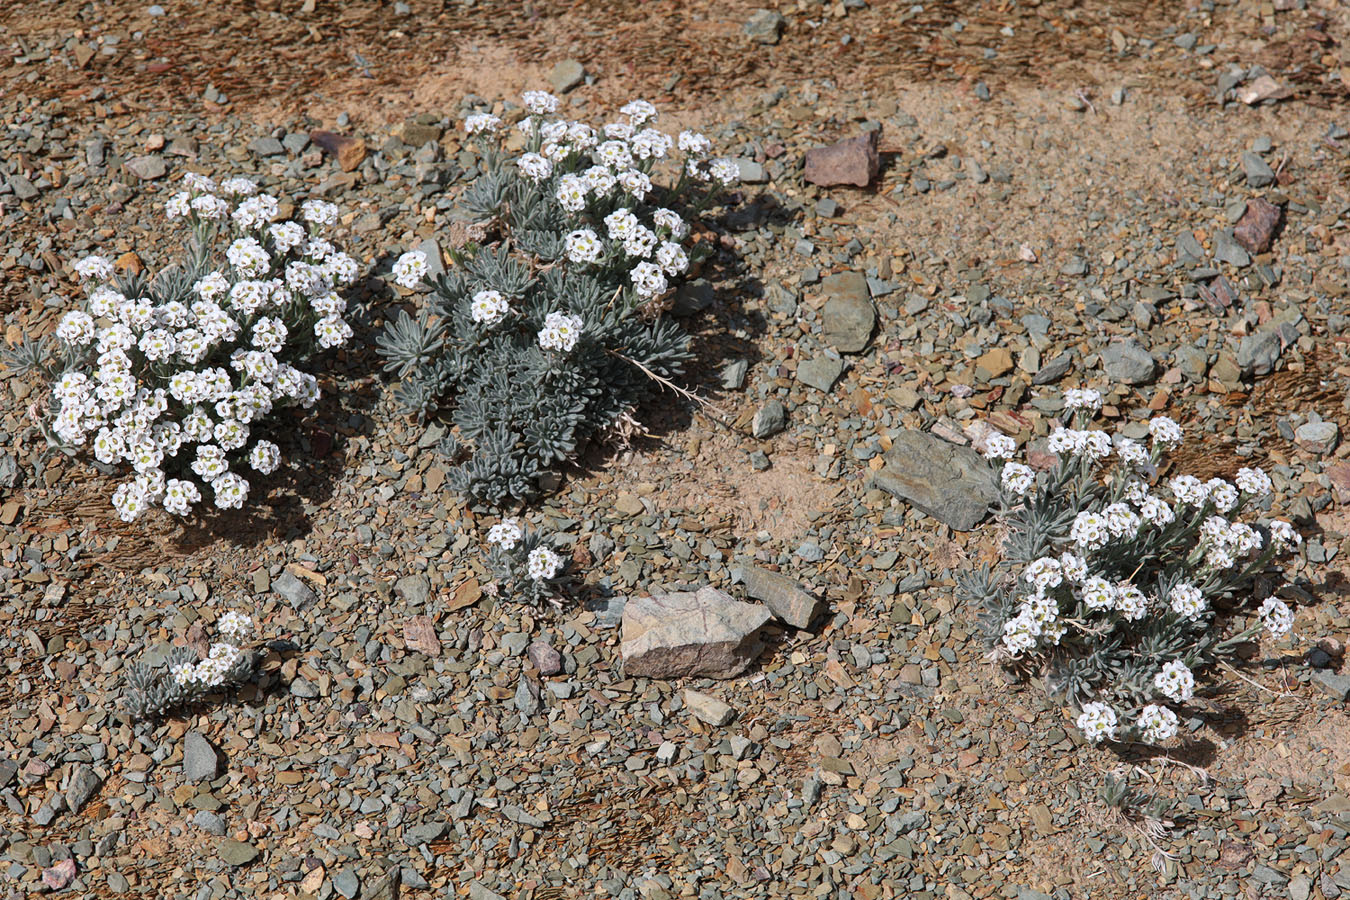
(1257, 227)
(785, 596)
(854, 161)
(953, 484)
(705, 633)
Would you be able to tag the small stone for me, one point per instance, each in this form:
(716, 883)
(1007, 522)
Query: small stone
(346, 883)
(300, 595)
(784, 596)
(266, 146)
(993, 364)
(1338, 686)
(415, 134)
(23, 188)
(209, 822)
(1258, 171)
(1259, 351)
(479, 891)
(953, 484)
(201, 760)
(83, 785)
(820, 372)
(750, 171)
(347, 150)
(733, 374)
(238, 853)
(546, 660)
(1075, 266)
(1227, 249)
(413, 589)
(527, 697)
(688, 634)
(566, 75)
(707, 708)
(1054, 370)
(770, 419)
(765, 26)
(848, 317)
(1256, 229)
(1129, 362)
(854, 161)
(1318, 437)
(146, 168)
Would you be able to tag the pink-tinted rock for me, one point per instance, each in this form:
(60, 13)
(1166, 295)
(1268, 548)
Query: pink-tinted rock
(854, 161)
(59, 875)
(690, 635)
(547, 660)
(1256, 229)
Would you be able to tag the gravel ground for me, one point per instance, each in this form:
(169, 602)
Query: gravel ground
(1024, 236)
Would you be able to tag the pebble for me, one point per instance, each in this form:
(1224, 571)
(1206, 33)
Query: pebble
(707, 708)
(953, 484)
(770, 419)
(346, 882)
(1129, 362)
(820, 372)
(765, 26)
(1258, 171)
(680, 634)
(566, 75)
(1318, 437)
(201, 760)
(237, 853)
(784, 596)
(300, 595)
(855, 161)
(146, 168)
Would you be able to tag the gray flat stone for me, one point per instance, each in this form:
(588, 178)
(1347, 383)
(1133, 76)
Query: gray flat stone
(1129, 362)
(300, 595)
(1258, 171)
(765, 26)
(238, 853)
(954, 485)
(566, 75)
(413, 589)
(848, 317)
(146, 168)
(201, 760)
(346, 882)
(83, 785)
(784, 596)
(820, 372)
(770, 419)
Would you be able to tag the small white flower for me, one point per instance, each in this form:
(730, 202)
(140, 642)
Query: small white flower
(583, 246)
(1276, 616)
(1121, 521)
(76, 328)
(1223, 494)
(1189, 490)
(1075, 568)
(1098, 593)
(639, 112)
(648, 280)
(1158, 723)
(410, 269)
(542, 563)
(210, 207)
(540, 102)
(571, 192)
(672, 259)
(1131, 602)
(1089, 531)
(560, 331)
(94, 268)
(635, 183)
(1156, 511)
(694, 143)
(178, 205)
(480, 123)
(234, 624)
(1175, 681)
(230, 491)
(238, 187)
(999, 446)
(506, 534)
(286, 236)
(1097, 722)
(1083, 398)
(488, 307)
(1283, 535)
(1165, 432)
(332, 331)
(1018, 479)
(317, 212)
(265, 457)
(535, 167)
(671, 222)
(1253, 482)
(615, 155)
(180, 496)
(198, 182)
(1044, 573)
(1187, 600)
(1131, 453)
(724, 172)
(183, 673)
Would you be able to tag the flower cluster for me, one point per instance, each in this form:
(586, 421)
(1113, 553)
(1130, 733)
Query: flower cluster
(1111, 573)
(186, 678)
(176, 378)
(551, 332)
(526, 568)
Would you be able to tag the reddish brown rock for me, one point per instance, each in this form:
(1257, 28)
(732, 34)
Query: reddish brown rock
(347, 150)
(1255, 230)
(854, 161)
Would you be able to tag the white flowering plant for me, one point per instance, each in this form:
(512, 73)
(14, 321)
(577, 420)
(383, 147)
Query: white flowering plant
(1120, 586)
(186, 677)
(552, 329)
(527, 569)
(176, 380)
